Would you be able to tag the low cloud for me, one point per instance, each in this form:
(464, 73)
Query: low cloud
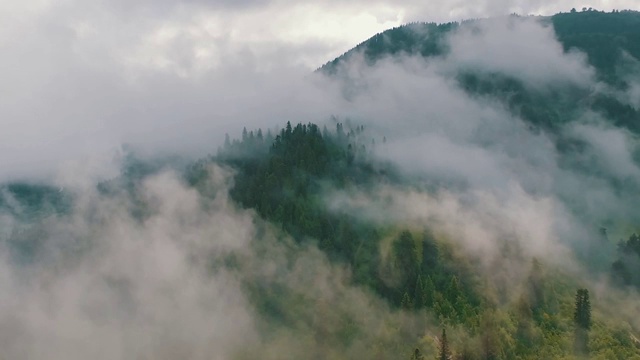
(105, 286)
(520, 48)
(479, 174)
(175, 275)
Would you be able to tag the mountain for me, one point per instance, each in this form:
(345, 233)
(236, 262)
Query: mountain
(474, 217)
(611, 42)
(608, 39)
(336, 190)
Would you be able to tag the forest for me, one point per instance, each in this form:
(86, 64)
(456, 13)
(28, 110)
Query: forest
(548, 316)
(501, 224)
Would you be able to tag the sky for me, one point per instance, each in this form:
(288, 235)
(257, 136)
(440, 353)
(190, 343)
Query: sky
(81, 78)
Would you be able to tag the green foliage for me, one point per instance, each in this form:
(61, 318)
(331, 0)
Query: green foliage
(285, 182)
(406, 303)
(625, 270)
(30, 204)
(611, 42)
(582, 320)
(417, 355)
(604, 37)
(444, 353)
(582, 312)
(27, 201)
(426, 39)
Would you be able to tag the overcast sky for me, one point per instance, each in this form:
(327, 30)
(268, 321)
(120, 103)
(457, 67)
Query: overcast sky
(82, 77)
(142, 32)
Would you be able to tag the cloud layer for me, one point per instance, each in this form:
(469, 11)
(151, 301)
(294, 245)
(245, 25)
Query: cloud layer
(81, 78)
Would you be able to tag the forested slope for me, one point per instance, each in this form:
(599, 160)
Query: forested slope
(426, 277)
(318, 241)
(609, 41)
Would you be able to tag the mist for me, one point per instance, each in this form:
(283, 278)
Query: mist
(483, 177)
(171, 273)
(437, 130)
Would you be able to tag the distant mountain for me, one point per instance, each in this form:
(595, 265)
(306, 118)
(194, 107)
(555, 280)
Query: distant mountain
(606, 38)
(318, 241)
(611, 42)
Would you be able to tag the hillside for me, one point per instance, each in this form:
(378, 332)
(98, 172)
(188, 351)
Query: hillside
(424, 274)
(609, 40)
(472, 194)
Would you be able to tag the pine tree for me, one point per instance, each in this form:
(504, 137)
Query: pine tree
(419, 295)
(582, 319)
(429, 291)
(288, 129)
(453, 290)
(535, 286)
(406, 259)
(417, 355)
(582, 312)
(444, 352)
(406, 302)
(586, 310)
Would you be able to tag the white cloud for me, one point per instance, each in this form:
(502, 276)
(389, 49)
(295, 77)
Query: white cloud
(81, 78)
(520, 48)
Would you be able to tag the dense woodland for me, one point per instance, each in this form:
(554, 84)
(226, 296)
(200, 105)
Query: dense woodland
(610, 41)
(433, 279)
(284, 175)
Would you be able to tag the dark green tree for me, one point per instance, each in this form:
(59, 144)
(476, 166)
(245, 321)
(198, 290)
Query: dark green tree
(428, 292)
(626, 269)
(535, 287)
(417, 355)
(419, 295)
(288, 129)
(582, 320)
(444, 353)
(582, 311)
(406, 302)
(406, 259)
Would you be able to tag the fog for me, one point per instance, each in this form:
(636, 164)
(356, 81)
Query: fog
(105, 286)
(82, 78)
(98, 282)
(498, 180)
(85, 83)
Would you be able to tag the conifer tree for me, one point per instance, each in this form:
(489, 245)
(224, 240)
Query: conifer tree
(417, 355)
(429, 291)
(444, 353)
(582, 320)
(535, 286)
(419, 295)
(582, 312)
(406, 302)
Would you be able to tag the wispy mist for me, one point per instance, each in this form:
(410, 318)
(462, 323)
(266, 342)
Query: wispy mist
(170, 273)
